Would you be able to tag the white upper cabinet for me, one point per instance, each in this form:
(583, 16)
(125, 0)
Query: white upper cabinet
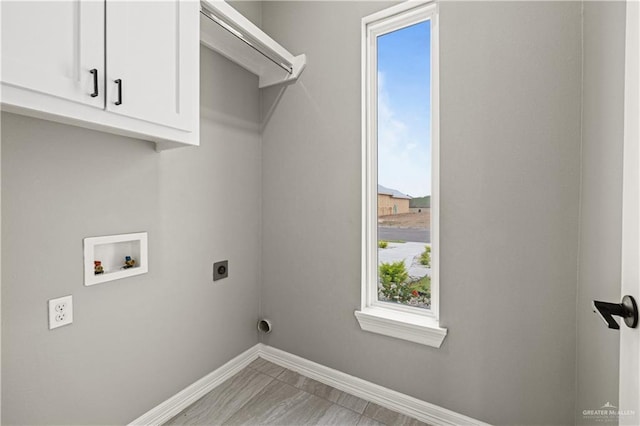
(148, 61)
(52, 48)
(125, 67)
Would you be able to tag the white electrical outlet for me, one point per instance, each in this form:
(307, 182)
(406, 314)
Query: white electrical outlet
(60, 311)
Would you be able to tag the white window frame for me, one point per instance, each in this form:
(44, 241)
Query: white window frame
(396, 320)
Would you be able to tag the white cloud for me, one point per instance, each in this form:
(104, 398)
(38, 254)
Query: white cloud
(402, 163)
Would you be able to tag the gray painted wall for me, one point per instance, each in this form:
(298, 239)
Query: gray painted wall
(252, 10)
(601, 209)
(510, 125)
(134, 342)
(509, 227)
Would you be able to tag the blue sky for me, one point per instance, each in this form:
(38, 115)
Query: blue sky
(404, 108)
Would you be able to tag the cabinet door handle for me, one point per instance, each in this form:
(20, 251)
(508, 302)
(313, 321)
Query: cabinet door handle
(119, 83)
(95, 82)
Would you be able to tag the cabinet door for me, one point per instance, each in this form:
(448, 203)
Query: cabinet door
(51, 47)
(153, 60)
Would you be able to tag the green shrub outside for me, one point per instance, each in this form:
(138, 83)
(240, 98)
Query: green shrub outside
(395, 284)
(425, 257)
(421, 286)
(393, 277)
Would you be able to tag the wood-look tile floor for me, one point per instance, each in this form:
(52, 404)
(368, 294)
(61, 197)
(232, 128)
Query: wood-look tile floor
(267, 394)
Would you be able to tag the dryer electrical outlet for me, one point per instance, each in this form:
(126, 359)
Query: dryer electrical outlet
(220, 270)
(60, 311)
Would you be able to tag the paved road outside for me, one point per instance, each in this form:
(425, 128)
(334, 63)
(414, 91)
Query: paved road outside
(419, 235)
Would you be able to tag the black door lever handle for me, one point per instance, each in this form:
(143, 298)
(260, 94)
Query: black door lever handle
(628, 310)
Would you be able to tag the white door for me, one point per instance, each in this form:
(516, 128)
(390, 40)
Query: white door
(148, 43)
(52, 47)
(630, 338)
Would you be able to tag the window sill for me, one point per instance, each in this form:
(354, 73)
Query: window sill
(402, 325)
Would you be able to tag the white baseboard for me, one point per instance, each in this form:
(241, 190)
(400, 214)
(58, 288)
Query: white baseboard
(172, 406)
(396, 401)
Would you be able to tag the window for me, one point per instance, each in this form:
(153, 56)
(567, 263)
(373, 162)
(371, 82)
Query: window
(400, 250)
